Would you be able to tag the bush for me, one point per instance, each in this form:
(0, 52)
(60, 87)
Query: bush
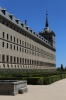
(32, 80)
(40, 81)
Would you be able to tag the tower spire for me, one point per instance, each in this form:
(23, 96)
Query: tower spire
(46, 19)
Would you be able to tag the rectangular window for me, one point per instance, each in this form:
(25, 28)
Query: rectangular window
(3, 58)
(7, 36)
(7, 58)
(25, 43)
(20, 60)
(14, 39)
(14, 47)
(25, 50)
(23, 60)
(2, 44)
(20, 41)
(17, 40)
(11, 59)
(11, 38)
(17, 59)
(20, 49)
(3, 34)
(7, 45)
(14, 59)
(10, 46)
(17, 48)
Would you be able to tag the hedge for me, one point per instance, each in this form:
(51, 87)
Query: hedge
(51, 79)
(37, 80)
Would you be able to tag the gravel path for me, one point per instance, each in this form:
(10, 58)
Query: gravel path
(55, 91)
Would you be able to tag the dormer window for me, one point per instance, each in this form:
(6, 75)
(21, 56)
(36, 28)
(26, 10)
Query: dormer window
(22, 24)
(34, 33)
(11, 17)
(30, 30)
(3, 11)
(27, 27)
(17, 20)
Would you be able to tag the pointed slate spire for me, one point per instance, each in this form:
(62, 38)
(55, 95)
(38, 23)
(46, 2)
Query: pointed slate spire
(46, 25)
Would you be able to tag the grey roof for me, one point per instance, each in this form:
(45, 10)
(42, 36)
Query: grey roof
(20, 24)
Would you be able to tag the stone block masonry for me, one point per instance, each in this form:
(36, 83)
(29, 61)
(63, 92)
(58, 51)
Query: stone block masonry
(12, 87)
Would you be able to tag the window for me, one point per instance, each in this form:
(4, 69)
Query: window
(11, 59)
(17, 48)
(14, 47)
(14, 59)
(3, 58)
(25, 43)
(3, 44)
(20, 60)
(14, 39)
(17, 59)
(25, 61)
(7, 58)
(3, 11)
(7, 45)
(11, 38)
(7, 36)
(10, 46)
(25, 50)
(30, 61)
(3, 34)
(20, 49)
(20, 41)
(17, 40)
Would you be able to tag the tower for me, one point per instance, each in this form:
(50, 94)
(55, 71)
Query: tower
(47, 33)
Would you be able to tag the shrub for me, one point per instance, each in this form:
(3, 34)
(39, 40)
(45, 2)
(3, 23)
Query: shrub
(40, 81)
(32, 80)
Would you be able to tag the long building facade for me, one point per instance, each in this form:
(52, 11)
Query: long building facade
(23, 48)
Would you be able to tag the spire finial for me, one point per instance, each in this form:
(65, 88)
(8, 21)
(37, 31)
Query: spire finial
(47, 18)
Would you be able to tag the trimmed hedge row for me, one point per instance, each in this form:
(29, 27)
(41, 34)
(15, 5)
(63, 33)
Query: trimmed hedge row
(51, 79)
(37, 80)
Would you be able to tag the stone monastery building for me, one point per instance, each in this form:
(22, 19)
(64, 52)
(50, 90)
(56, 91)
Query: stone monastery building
(23, 48)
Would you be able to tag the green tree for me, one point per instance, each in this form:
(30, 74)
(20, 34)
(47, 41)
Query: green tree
(61, 67)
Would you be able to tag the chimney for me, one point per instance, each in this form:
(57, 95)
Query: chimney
(25, 22)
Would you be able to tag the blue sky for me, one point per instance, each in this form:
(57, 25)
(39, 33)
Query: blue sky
(34, 11)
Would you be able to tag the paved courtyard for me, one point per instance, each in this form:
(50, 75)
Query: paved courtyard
(55, 91)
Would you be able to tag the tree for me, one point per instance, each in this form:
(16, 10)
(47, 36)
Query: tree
(61, 67)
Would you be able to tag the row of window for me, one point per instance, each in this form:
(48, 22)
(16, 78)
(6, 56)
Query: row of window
(19, 60)
(26, 50)
(22, 43)
(20, 31)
